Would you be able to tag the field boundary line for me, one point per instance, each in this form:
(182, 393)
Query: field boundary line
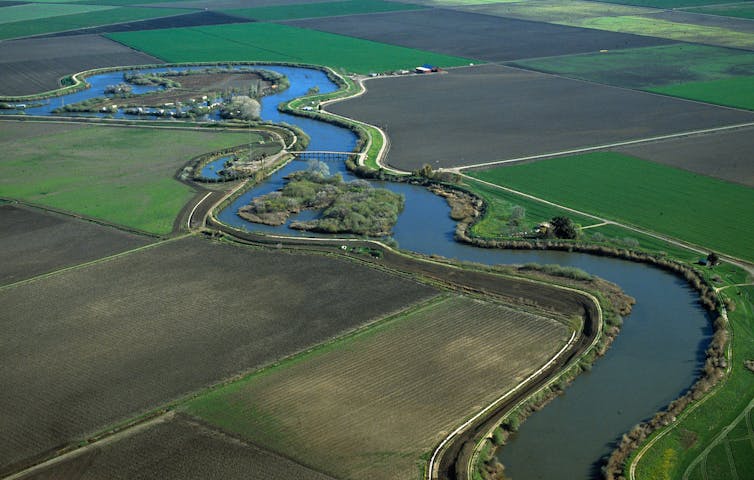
(606, 146)
(193, 210)
(433, 460)
(92, 262)
(134, 429)
(42, 35)
(434, 464)
(619, 87)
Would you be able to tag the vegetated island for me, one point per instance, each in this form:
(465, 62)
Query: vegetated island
(188, 93)
(346, 207)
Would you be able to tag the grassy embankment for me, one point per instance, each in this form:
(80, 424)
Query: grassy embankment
(305, 407)
(252, 41)
(694, 447)
(104, 16)
(120, 175)
(371, 140)
(709, 74)
(687, 439)
(324, 9)
(689, 207)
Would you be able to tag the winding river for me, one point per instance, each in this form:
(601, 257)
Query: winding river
(657, 355)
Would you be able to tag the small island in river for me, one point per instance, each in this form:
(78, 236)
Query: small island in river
(346, 207)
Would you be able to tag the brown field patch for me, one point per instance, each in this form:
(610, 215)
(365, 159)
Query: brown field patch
(370, 406)
(471, 35)
(93, 346)
(724, 155)
(489, 113)
(177, 449)
(36, 65)
(36, 242)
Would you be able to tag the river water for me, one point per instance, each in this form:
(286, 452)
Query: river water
(656, 357)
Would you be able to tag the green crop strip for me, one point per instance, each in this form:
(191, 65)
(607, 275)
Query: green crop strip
(699, 209)
(731, 92)
(326, 9)
(105, 16)
(278, 43)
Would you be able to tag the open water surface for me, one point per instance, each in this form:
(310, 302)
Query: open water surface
(656, 357)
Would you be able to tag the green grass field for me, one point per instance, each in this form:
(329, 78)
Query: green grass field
(742, 10)
(37, 11)
(732, 92)
(495, 223)
(702, 210)
(359, 408)
(672, 457)
(656, 27)
(327, 9)
(120, 175)
(105, 16)
(650, 66)
(278, 43)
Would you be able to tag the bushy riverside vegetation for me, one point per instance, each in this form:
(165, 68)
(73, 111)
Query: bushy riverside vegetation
(346, 207)
(667, 200)
(672, 455)
(727, 377)
(614, 304)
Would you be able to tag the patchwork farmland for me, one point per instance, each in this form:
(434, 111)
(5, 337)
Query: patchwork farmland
(139, 163)
(373, 404)
(490, 113)
(194, 313)
(142, 338)
(475, 36)
(35, 242)
(641, 193)
(177, 448)
(37, 65)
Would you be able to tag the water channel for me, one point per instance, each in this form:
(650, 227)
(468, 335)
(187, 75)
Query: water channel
(657, 355)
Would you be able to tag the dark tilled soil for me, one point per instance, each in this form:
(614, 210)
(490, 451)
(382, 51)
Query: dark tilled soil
(725, 155)
(33, 242)
(35, 65)
(471, 35)
(176, 21)
(96, 345)
(488, 113)
(178, 449)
